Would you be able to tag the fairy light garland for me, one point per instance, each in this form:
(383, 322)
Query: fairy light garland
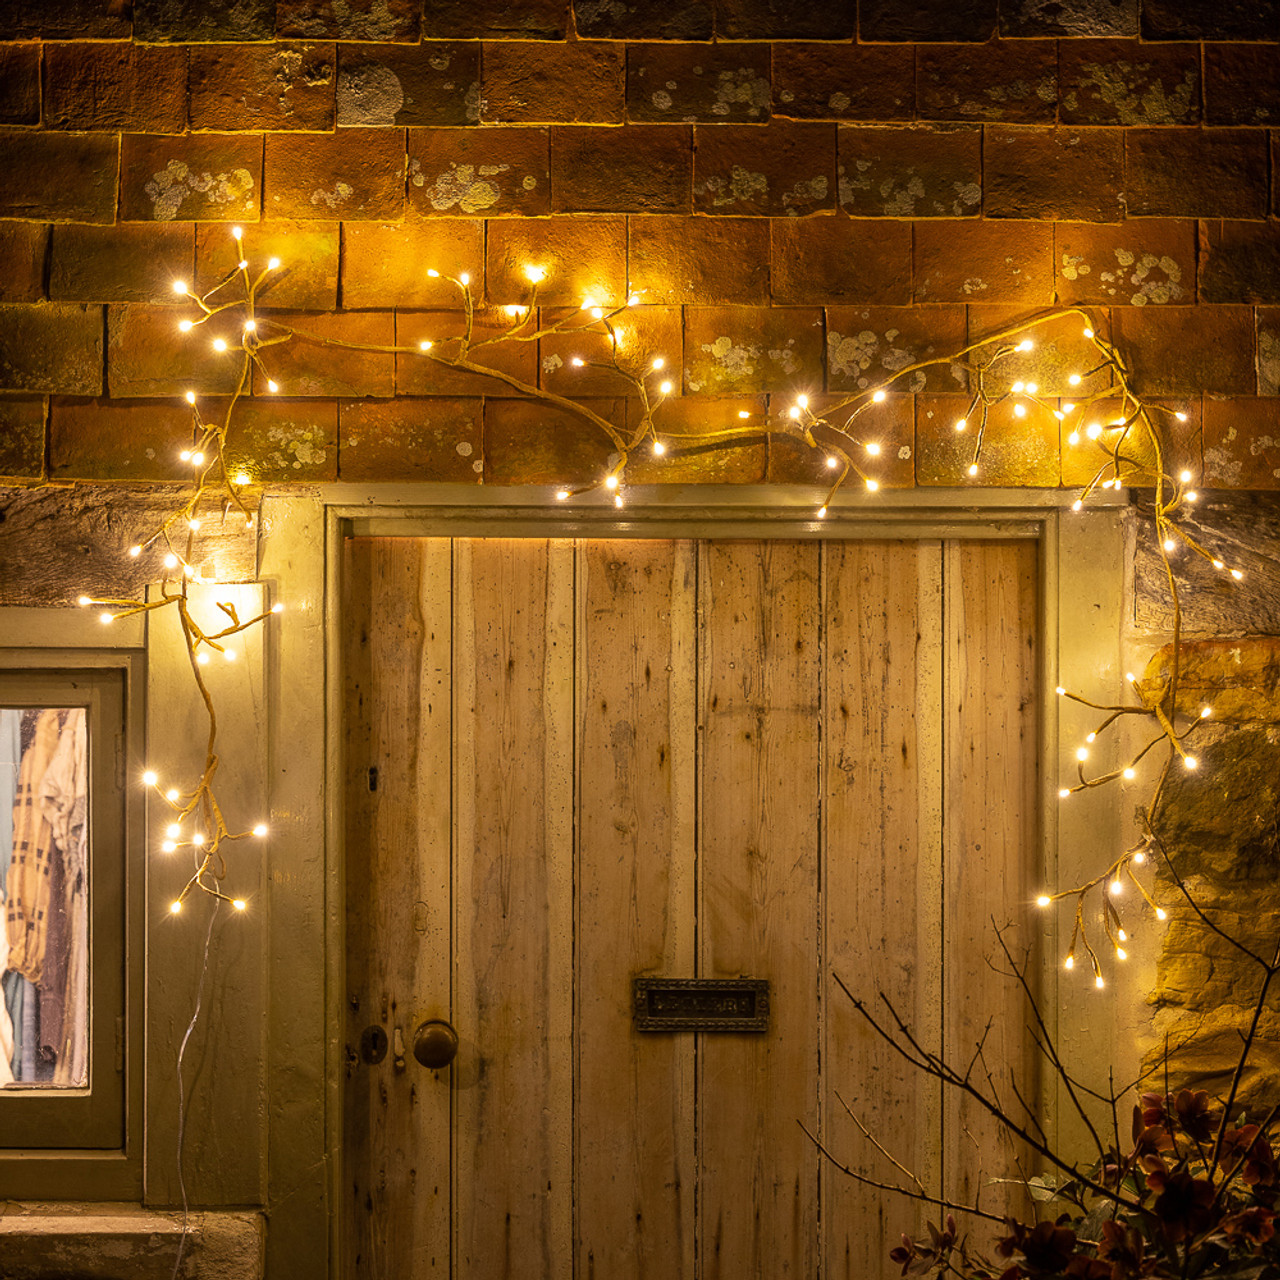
(1130, 443)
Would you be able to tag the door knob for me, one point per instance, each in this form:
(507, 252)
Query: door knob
(435, 1043)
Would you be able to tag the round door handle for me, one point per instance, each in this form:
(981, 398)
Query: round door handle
(435, 1043)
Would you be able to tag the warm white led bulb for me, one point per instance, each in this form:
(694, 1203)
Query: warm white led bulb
(202, 658)
(1181, 417)
(1069, 962)
(242, 477)
(171, 795)
(1088, 333)
(562, 494)
(802, 401)
(135, 551)
(260, 830)
(961, 423)
(873, 449)
(1190, 762)
(179, 286)
(973, 468)
(1025, 345)
(237, 232)
(832, 463)
(597, 313)
(872, 485)
(238, 903)
(1161, 914)
(171, 561)
(665, 388)
(191, 397)
(659, 448)
(1129, 773)
(464, 279)
(1063, 792)
(277, 607)
(425, 345)
(272, 385)
(1121, 954)
(168, 846)
(536, 275)
(1074, 379)
(1098, 982)
(878, 397)
(1043, 900)
(433, 273)
(744, 413)
(175, 906)
(250, 326)
(822, 513)
(1116, 886)
(1019, 410)
(184, 326)
(793, 412)
(1082, 753)
(658, 363)
(611, 482)
(577, 362)
(149, 778)
(273, 264)
(219, 344)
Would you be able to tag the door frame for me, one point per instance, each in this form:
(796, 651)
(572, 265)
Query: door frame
(1085, 577)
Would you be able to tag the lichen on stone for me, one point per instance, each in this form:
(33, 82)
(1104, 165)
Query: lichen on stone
(467, 187)
(341, 192)
(730, 358)
(168, 188)
(742, 184)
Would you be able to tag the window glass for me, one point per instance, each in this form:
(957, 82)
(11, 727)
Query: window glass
(44, 882)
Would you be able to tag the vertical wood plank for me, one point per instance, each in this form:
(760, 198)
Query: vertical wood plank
(513, 779)
(991, 839)
(882, 763)
(397, 673)
(759, 917)
(636, 681)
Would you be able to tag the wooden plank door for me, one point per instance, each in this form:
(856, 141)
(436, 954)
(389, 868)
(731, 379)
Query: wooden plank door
(571, 764)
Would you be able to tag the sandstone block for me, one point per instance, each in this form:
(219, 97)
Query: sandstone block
(731, 350)
(22, 437)
(304, 366)
(820, 260)
(307, 278)
(1239, 261)
(495, 19)
(115, 86)
(785, 170)
(20, 83)
(891, 20)
(1241, 84)
(1059, 349)
(1230, 20)
(23, 246)
(1268, 351)
(1143, 262)
(1196, 173)
(783, 20)
(482, 172)
(425, 375)
(277, 440)
(867, 346)
(1242, 443)
(387, 84)
(435, 438)
(701, 260)
(527, 443)
(716, 84)
(192, 21)
(688, 426)
(643, 335)
(355, 174)
(74, 20)
(1181, 443)
(600, 20)
(552, 83)
(890, 426)
(385, 265)
(1124, 82)
(1075, 174)
(984, 262)
(1237, 678)
(130, 262)
(197, 178)
(384, 20)
(1095, 18)
(1173, 350)
(843, 82)
(913, 171)
(118, 439)
(1015, 451)
(632, 169)
(147, 355)
(59, 177)
(581, 258)
(1011, 81)
(262, 86)
(52, 348)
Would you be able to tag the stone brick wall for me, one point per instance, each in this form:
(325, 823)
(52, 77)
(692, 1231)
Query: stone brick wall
(806, 195)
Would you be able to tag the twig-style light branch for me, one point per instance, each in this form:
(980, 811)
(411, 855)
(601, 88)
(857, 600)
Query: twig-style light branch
(1129, 440)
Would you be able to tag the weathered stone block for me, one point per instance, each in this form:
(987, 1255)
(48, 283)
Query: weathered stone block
(1172, 350)
(386, 265)
(1124, 82)
(1097, 18)
(632, 169)
(1239, 262)
(1237, 678)
(1015, 451)
(917, 171)
(22, 437)
(63, 177)
(118, 439)
(706, 260)
(745, 349)
(843, 82)
(984, 262)
(581, 258)
(1053, 173)
(716, 84)
(264, 86)
(688, 427)
(529, 443)
(197, 178)
(890, 426)
(74, 20)
(495, 19)
(389, 20)
(426, 374)
(820, 260)
(420, 439)
(23, 246)
(20, 83)
(1014, 81)
(619, 20)
(867, 346)
(785, 20)
(53, 348)
(147, 355)
(1181, 443)
(431, 84)
(891, 20)
(115, 86)
(643, 335)
(1241, 84)
(307, 278)
(305, 366)
(483, 172)
(1229, 20)
(280, 440)
(1196, 173)
(1242, 443)
(190, 21)
(134, 262)
(356, 174)
(1143, 262)
(1268, 351)
(785, 170)
(552, 83)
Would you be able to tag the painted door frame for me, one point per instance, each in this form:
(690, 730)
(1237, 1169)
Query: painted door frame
(1084, 579)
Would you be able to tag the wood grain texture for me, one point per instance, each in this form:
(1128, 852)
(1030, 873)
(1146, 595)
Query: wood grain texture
(989, 821)
(635, 1103)
(759, 917)
(882, 762)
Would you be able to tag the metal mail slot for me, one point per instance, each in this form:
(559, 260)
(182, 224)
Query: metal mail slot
(701, 1004)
